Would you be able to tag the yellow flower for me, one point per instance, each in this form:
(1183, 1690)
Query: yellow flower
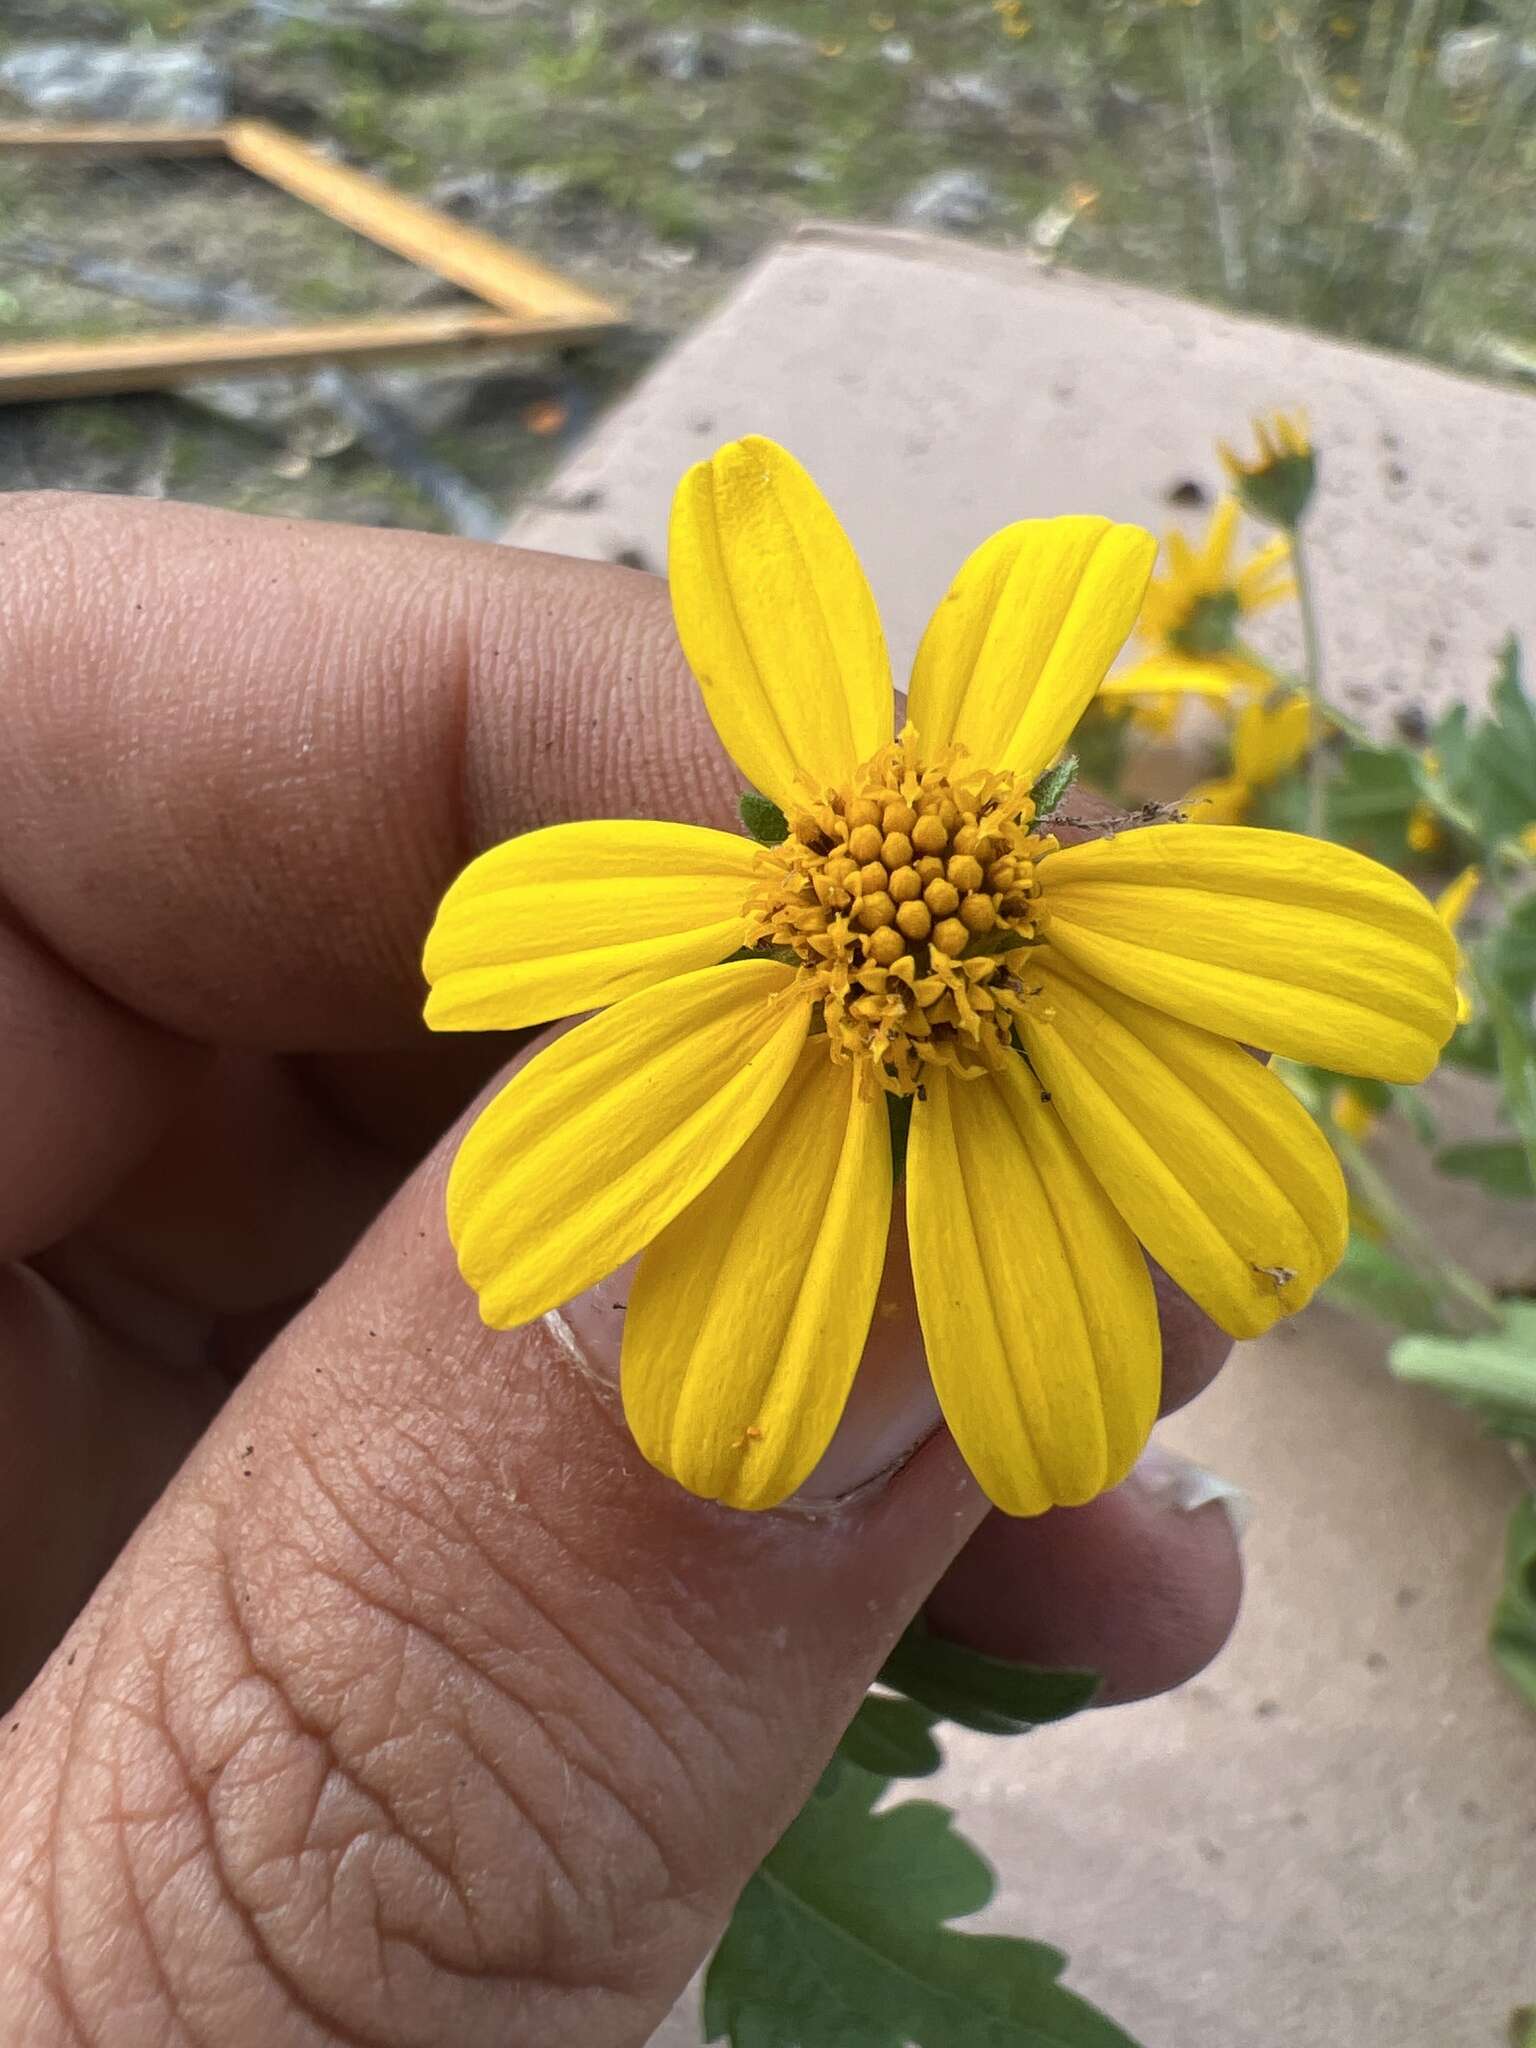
(1067, 1024)
(1349, 1108)
(1190, 620)
(1277, 485)
(1270, 740)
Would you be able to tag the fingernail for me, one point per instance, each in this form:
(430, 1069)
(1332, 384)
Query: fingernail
(891, 1411)
(1180, 1485)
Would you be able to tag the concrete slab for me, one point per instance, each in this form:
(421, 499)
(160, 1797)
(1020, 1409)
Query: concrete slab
(937, 391)
(1330, 1838)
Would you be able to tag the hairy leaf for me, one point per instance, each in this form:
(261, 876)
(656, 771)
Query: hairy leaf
(1494, 1373)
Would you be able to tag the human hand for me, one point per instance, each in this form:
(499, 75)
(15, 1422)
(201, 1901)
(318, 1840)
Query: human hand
(419, 1709)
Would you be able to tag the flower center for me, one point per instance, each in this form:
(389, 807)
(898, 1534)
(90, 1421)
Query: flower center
(1210, 624)
(911, 899)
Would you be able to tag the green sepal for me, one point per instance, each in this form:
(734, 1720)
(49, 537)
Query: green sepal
(1280, 492)
(764, 821)
(992, 1695)
(899, 1109)
(1053, 785)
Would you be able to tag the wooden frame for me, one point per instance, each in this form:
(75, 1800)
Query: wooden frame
(526, 304)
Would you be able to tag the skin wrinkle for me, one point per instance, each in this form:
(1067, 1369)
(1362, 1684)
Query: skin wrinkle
(480, 1673)
(448, 1500)
(702, 1734)
(130, 1884)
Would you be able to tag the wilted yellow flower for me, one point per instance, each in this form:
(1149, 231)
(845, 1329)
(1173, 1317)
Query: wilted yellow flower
(1066, 1023)
(1277, 484)
(1191, 619)
(1270, 739)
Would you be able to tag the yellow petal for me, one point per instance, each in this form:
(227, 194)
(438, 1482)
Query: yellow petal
(1216, 553)
(1175, 675)
(1285, 942)
(1208, 1156)
(777, 621)
(1454, 900)
(577, 916)
(592, 1149)
(749, 1313)
(1226, 802)
(1271, 740)
(1014, 654)
(1036, 1306)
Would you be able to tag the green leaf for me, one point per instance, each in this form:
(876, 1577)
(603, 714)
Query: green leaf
(990, 1694)
(1371, 1281)
(1522, 2027)
(1053, 785)
(899, 1109)
(1500, 1166)
(1493, 1373)
(892, 1739)
(1515, 1051)
(1371, 795)
(1513, 1637)
(840, 1941)
(764, 821)
(1489, 764)
(1513, 951)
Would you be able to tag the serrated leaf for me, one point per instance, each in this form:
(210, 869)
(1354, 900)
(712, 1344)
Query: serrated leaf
(891, 1738)
(1053, 785)
(1513, 1636)
(1500, 1166)
(840, 1941)
(1489, 763)
(1371, 1281)
(1493, 1373)
(764, 821)
(990, 1694)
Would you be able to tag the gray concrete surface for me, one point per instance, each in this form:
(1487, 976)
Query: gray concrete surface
(1329, 1841)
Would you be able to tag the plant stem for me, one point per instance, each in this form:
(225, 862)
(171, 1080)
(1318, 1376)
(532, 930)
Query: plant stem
(1411, 1234)
(1312, 677)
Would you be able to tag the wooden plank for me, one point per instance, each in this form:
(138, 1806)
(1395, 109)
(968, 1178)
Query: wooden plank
(110, 138)
(57, 369)
(477, 261)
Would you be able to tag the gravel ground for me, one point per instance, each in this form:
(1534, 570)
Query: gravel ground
(1367, 167)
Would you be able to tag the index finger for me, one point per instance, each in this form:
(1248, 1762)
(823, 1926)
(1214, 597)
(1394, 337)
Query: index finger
(244, 757)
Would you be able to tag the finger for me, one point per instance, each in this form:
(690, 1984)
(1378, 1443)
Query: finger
(421, 1709)
(1141, 1586)
(274, 745)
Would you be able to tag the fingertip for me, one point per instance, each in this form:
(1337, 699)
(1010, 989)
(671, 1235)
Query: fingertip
(1142, 1585)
